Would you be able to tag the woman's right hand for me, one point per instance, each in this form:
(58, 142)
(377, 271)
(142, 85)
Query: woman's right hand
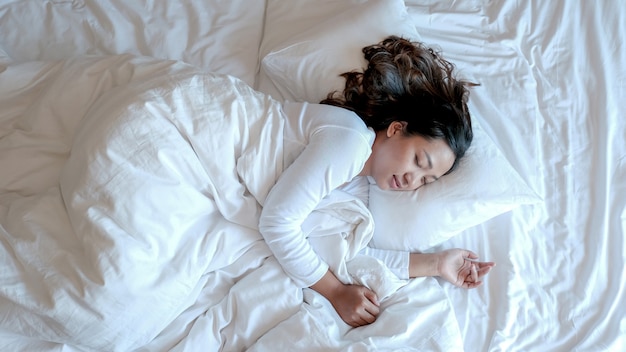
(457, 266)
(356, 305)
(462, 268)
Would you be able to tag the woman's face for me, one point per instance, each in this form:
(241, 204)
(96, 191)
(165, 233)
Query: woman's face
(400, 162)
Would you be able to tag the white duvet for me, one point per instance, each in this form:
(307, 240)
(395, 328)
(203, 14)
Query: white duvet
(129, 206)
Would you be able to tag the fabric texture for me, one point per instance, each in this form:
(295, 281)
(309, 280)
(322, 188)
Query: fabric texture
(132, 235)
(213, 35)
(552, 87)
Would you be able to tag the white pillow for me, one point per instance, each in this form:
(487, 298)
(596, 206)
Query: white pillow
(304, 56)
(483, 186)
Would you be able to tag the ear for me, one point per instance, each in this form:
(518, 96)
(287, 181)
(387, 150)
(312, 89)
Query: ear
(396, 127)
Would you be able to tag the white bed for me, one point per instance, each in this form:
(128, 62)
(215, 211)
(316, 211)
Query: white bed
(548, 204)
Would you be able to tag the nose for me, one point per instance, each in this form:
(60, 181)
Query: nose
(413, 180)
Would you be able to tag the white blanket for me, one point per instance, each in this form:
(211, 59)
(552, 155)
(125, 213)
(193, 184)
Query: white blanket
(128, 221)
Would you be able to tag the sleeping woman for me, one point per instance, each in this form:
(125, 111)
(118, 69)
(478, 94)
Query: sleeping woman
(202, 164)
(404, 124)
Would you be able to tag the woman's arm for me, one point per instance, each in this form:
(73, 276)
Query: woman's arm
(457, 266)
(423, 264)
(314, 173)
(396, 261)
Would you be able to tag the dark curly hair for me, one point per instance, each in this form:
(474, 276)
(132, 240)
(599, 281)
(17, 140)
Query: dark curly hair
(408, 81)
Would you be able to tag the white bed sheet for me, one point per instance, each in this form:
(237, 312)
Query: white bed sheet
(553, 83)
(221, 36)
(553, 79)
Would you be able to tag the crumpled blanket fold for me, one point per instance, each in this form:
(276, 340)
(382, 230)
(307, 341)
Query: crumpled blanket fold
(128, 220)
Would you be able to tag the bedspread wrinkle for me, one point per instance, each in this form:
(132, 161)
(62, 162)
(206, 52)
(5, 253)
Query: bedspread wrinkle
(129, 220)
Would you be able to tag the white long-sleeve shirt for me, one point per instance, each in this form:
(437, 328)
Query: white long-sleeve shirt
(324, 147)
(396, 261)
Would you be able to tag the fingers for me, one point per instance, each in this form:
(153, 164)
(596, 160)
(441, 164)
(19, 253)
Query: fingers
(486, 264)
(472, 280)
(484, 269)
(470, 285)
(361, 318)
(368, 317)
(470, 255)
(372, 309)
(371, 306)
(480, 266)
(473, 272)
(358, 305)
(371, 296)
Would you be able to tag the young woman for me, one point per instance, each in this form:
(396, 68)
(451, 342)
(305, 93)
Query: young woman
(404, 123)
(178, 175)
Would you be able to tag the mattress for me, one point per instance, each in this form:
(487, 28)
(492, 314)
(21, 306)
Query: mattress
(551, 81)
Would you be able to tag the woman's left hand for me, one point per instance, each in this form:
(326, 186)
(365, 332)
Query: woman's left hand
(462, 268)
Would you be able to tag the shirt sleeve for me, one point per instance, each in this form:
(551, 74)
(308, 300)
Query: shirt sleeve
(332, 156)
(396, 261)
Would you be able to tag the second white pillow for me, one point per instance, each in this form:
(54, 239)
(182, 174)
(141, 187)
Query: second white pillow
(306, 65)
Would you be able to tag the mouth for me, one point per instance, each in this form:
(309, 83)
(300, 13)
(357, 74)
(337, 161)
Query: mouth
(395, 183)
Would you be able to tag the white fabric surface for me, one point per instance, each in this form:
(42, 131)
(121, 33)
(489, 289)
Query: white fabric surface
(308, 44)
(134, 236)
(215, 35)
(552, 78)
(552, 85)
(147, 209)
